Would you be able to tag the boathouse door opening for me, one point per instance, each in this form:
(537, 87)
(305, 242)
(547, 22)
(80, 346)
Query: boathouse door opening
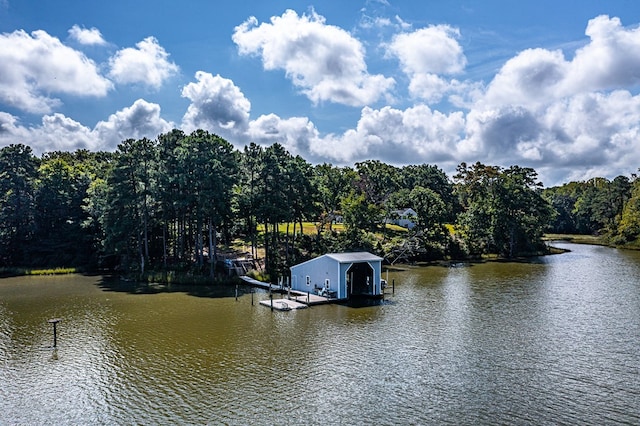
(360, 280)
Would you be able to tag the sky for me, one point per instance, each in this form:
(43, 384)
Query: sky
(552, 85)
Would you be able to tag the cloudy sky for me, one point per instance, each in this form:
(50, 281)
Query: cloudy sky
(548, 84)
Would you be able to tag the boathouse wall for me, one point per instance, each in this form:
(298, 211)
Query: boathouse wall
(343, 274)
(318, 271)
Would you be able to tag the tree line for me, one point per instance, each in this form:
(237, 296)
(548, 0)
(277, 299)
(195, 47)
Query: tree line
(171, 203)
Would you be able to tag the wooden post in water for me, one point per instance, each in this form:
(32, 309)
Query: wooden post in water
(271, 297)
(55, 321)
(236, 292)
(307, 297)
(393, 286)
(251, 296)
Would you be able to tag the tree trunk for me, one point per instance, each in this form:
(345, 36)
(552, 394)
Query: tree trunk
(146, 236)
(267, 249)
(212, 257)
(199, 243)
(287, 241)
(164, 245)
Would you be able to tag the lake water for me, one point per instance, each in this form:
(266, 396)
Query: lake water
(552, 341)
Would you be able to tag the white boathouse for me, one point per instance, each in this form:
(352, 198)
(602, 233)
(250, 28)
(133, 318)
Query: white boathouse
(340, 275)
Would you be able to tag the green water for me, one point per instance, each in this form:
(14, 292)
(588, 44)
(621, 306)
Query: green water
(552, 341)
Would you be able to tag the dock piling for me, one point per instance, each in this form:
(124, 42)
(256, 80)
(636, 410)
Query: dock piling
(55, 322)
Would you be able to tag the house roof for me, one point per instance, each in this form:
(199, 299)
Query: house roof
(406, 211)
(361, 256)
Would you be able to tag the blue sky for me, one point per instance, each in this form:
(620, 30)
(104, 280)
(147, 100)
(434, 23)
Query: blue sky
(552, 85)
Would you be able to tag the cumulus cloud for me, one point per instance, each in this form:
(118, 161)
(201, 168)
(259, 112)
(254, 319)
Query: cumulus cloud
(576, 137)
(140, 120)
(217, 105)
(426, 55)
(611, 60)
(417, 134)
(58, 132)
(91, 36)
(146, 64)
(324, 61)
(568, 118)
(534, 76)
(296, 134)
(33, 66)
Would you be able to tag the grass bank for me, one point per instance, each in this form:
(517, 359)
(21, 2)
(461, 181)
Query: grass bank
(15, 272)
(576, 238)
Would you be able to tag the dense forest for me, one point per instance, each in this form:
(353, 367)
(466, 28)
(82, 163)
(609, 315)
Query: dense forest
(172, 203)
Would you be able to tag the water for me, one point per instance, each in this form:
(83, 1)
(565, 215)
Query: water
(553, 341)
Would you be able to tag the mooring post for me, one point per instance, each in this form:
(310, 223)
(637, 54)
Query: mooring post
(55, 321)
(251, 296)
(307, 297)
(236, 292)
(271, 298)
(393, 286)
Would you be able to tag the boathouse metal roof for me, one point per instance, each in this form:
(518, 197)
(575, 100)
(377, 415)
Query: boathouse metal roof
(361, 256)
(355, 257)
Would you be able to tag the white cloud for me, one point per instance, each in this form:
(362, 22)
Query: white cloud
(58, 132)
(324, 61)
(91, 36)
(432, 50)
(569, 119)
(533, 77)
(536, 77)
(296, 134)
(586, 135)
(610, 60)
(427, 54)
(417, 134)
(34, 66)
(140, 120)
(217, 105)
(147, 64)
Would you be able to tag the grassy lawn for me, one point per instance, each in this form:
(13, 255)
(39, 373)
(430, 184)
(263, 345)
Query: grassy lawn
(575, 238)
(309, 228)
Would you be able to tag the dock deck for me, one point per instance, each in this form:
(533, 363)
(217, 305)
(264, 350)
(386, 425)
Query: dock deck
(294, 296)
(283, 304)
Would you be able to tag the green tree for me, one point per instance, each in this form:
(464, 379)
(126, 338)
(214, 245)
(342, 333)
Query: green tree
(60, 197)
(212, 169)
(431, 211)
(248, 191)
(273, 202)
(503, 210)
(18, 172)
(333, 184)
(130, 201)
(378, 181)
(629, 225)
(302, 195)
(433, 178)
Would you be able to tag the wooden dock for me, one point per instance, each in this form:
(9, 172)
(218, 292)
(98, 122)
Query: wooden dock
(294, 297)
(283, 304)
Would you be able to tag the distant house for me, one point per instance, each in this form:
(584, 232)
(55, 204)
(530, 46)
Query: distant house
(340, 275)
(404, 217)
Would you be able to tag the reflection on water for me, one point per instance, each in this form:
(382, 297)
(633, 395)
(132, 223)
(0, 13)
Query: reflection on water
(551, 341)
